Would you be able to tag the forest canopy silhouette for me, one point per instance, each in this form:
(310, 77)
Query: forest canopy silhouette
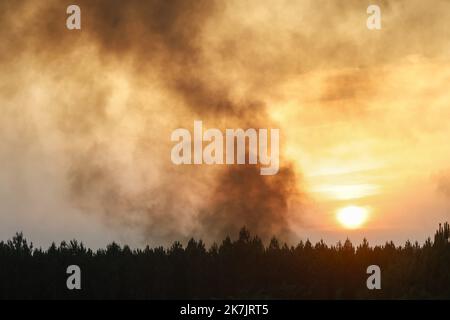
(240, 268)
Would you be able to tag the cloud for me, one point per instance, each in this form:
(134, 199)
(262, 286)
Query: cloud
(103, 101)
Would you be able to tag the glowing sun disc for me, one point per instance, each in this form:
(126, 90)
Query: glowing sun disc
(352, 217)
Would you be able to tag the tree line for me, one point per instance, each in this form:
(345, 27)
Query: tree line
(243, 268)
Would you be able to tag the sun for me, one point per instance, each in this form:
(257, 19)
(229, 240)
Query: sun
(352, 217)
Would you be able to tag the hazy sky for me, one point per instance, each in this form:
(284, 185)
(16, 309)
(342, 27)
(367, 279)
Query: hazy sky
(86, 117)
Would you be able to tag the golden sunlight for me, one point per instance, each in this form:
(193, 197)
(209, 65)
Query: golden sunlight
(352, 217)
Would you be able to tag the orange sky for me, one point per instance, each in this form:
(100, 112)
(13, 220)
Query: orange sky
(388, 155)
(87, 116)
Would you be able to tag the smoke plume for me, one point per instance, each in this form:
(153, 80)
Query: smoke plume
(92, 110)
(114, 90)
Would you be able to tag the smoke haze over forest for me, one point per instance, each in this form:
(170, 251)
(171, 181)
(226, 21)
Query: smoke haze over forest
(87, 115)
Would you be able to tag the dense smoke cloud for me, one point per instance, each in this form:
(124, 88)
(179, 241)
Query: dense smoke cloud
(101, 102)
(116, 145)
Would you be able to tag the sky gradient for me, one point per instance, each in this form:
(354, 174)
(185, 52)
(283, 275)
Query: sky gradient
(87, 116)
